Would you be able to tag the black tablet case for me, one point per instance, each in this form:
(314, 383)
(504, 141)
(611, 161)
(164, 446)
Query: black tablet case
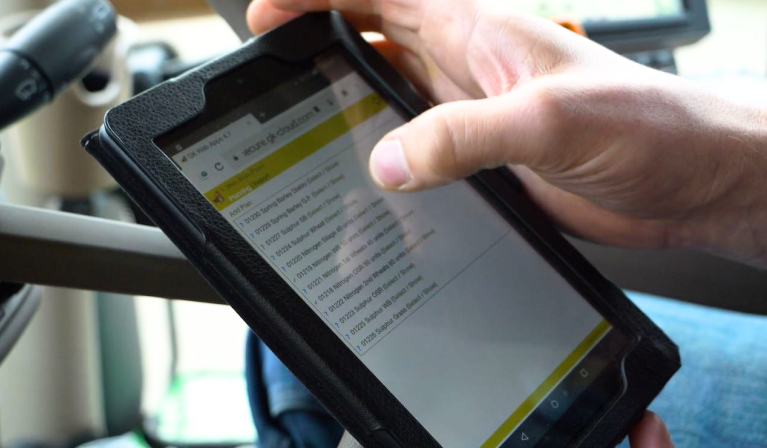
(124, 146)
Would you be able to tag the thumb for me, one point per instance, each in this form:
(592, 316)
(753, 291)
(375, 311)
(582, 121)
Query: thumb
(651, 432)
(455, 140)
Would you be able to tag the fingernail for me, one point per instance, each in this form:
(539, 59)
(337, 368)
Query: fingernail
(388, 165)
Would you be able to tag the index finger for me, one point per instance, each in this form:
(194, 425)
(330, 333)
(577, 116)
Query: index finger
(264, 15)
(356, 6)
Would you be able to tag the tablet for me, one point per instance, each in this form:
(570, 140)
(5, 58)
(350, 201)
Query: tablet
(454, 317)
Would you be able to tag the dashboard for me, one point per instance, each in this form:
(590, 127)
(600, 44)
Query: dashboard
(591, 11)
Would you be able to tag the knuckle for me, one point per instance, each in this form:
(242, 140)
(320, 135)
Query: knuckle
(550, 115)
(547, 105)
(447, 136)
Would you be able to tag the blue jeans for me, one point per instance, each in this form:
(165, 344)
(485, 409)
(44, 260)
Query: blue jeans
(285, 414)
(718, 398)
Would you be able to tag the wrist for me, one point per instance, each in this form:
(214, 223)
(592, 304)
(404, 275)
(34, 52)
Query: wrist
(732, 222)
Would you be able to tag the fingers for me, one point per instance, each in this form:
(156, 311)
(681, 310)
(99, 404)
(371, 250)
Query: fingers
(455, 140)
(358, 6)
(262, 16)
(407, 63)
(651, 432)
(398, 20)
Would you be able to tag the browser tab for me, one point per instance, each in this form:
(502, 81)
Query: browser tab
(233, 133)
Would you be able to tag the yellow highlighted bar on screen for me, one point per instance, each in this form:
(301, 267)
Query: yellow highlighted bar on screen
(271, 166)
(547, 386)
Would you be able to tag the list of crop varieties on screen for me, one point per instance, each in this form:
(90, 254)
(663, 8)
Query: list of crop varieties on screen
(447, 305)
(364, 260)
(348, 252)
(300, 192)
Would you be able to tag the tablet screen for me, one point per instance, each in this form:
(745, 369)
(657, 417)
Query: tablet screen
(468, 326)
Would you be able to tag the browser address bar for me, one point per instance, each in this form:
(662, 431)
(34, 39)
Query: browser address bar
(294, 122)
(284, 157)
